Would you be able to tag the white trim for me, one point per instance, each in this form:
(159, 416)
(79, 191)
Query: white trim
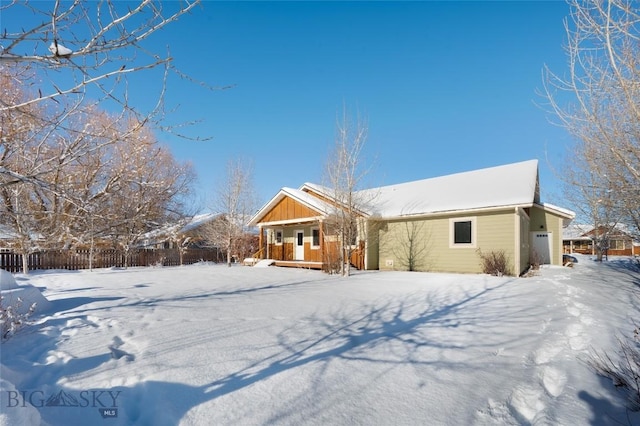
(296, 245)
(292, 221)
(474, 232)
(275, 236)
(311, 245)
(565, 213)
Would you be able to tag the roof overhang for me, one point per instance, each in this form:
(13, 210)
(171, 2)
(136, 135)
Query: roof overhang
(305, 220)
(460, 212)
(559, 211)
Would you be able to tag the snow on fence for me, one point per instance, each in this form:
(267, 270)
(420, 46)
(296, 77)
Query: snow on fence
(79, 259)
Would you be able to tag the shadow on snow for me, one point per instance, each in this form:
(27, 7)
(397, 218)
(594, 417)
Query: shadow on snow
(409, 325)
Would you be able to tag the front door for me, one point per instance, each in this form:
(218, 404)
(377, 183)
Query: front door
(299, 246)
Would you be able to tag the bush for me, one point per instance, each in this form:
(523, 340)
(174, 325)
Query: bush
(625, 373)
(495, 263)
(535, 260)
(11, 320)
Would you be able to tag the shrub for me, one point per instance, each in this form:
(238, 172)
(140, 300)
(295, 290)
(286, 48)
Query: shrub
(535, 260)
(495, 263)
(624, 373)
(11, 318)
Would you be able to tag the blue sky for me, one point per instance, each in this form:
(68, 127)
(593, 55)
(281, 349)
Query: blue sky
(445, 86)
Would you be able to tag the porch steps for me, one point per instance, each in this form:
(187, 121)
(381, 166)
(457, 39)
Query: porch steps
(263, 263)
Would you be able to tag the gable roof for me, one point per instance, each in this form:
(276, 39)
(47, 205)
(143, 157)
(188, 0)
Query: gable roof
(304, 198)
(511, 185)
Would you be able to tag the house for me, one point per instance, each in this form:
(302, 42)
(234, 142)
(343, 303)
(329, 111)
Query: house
(194, 233)
(186, 233)
(581, 239)
(438, 224)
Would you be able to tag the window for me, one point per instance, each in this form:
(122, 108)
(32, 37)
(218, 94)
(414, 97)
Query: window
(279, 237)
(315, 238)
(463, 232)
(616, 244)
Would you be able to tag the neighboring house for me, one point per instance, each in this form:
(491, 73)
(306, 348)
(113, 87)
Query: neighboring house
(187, 234)
(7, 236)
(438, 224)
(618, 242)
(193, 235)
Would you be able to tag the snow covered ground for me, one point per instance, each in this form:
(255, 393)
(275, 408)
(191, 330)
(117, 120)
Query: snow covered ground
(206, 344)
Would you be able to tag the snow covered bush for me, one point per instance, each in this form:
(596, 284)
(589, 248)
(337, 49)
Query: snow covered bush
(12, 317)
(495, 262)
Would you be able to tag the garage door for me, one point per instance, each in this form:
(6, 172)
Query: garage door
(542, 247)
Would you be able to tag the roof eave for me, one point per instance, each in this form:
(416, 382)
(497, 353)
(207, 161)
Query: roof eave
(566, 214)
(455, 212)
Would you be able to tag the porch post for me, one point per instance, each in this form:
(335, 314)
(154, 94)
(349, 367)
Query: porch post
(321, 232)
(268, 245)
(261, 242)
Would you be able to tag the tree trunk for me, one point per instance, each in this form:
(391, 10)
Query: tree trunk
(25, 263)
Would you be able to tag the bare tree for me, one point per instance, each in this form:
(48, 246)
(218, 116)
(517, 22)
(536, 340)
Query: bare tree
(344, 175)
(602, 109)
(19, 152)
(63, 161)
(71, 56)
(65, 181)
(235, 199)
(152, 188)
(412, 245)
(97, 43)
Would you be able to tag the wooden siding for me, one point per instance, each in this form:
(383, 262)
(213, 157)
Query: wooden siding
(285, 251)
(288, 209)
(319, 196)
(325, 254)
(494, 231)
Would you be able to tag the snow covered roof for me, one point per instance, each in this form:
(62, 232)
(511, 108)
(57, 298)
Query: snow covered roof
(181, 227)
(494, 187)
(576, 232)
(197, 221)
(6, 233)
(509, 185)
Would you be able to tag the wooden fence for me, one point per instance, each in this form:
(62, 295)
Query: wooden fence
(79, 259)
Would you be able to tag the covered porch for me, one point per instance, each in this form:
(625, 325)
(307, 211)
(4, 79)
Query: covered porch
(293, 233)
(304, 245)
